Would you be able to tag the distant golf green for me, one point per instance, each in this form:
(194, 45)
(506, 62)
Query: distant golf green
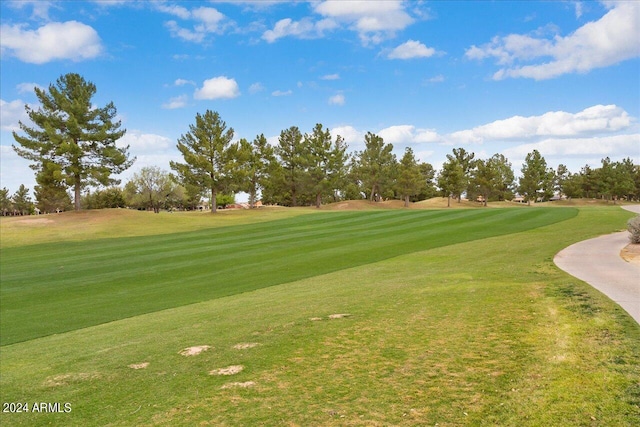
(57, 287)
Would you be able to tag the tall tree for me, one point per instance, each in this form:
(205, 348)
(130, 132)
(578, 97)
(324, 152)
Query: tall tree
(6, 205)
(291, 152)
(22, 201)
(451, 180)
(428, 176)
(623, 184)
(467, 163)
(410, 178)
(536, 180)
(257, 158)
(207, 155)
(484, 179)
(74, 134)
(375, 166)
(325, 163)
(560, 179)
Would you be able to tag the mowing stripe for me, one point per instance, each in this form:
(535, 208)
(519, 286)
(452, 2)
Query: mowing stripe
(53, 288)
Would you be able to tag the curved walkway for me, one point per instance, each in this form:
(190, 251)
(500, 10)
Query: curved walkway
(598, 262)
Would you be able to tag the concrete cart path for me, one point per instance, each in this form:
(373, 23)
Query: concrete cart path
(598, 262)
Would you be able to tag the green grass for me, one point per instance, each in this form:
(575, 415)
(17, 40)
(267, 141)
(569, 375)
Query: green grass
(484, 330)
(109, 279)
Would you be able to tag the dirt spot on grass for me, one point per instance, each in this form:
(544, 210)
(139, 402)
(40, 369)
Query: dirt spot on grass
(631, 253)
(339, 316)
(315, 319)
(229, 370)
(195, 350)
(246, 345)
(245, 384)
(66, 379)
(142, 365)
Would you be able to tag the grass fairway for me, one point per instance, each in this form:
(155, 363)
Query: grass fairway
(454, 317)
(54, 288)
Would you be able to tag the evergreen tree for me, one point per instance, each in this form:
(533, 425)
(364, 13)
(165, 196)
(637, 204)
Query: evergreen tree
(623, 183)
(536, 181)
(325, 163)
(467, 163)
(207, 155)
(375, 166)
(22, 203)
(291, 153)
(6, 205)
(451, 180)
(73, 134)
(410, 178)
(257, 159)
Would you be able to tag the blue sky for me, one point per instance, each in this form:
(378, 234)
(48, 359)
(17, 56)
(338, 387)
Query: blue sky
(504, 77)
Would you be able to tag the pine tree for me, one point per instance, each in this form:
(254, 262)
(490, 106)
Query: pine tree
(536, 180)
(375, 166)
(22, 201)
(74, 134)
(410, 178)
(292, 153)
(207, 155)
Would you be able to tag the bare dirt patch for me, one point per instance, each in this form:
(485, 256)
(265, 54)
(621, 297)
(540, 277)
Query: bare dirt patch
(142, 365)
(195, 350)
(245, 384)
(66, 379)
(245, 345)
(229, 370)
(339, 316)
(631, 253)
(315, 319)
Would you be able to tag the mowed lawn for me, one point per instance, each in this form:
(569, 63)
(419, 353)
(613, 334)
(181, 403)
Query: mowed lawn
(332, 318)
(58, 287)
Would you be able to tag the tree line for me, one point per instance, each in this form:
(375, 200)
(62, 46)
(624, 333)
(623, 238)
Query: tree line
(73, 146)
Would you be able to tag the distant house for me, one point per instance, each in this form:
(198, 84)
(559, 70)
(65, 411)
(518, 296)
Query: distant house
(519, 199)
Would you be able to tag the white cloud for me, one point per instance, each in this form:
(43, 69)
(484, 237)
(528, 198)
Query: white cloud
(615, 146)
(374, 21)
(40, 8)
(411, 49)
(174, 10)
(207, 20)
(337, 99)
(404, 134)
(182, 82)
(176, 102)
(28, 87)
(437, 79)
(255, 88)
(54, 41)
(218, 87)
(281, 92)
(12, 112)
(592, 120)
(306, 28)
(351, 135)
(607, 41)
(335, 76)
(140, 142)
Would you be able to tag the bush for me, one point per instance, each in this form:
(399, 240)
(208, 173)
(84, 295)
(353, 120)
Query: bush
(633, 225)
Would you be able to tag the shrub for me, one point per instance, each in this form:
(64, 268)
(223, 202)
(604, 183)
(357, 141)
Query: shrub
(633, 225)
